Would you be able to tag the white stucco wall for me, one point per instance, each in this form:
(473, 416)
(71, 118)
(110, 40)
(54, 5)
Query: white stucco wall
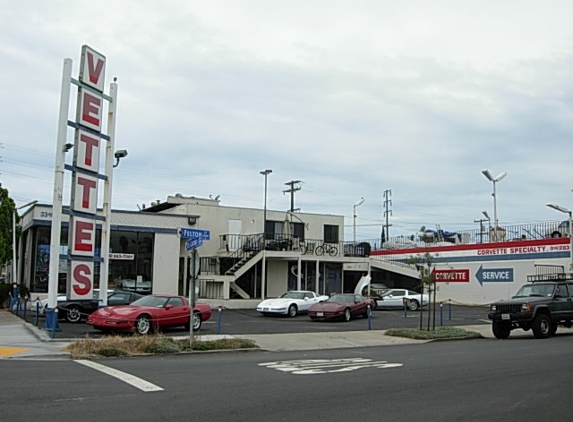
(277, 282)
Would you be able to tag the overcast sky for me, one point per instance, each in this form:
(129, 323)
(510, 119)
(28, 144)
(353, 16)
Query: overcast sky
(352, 98)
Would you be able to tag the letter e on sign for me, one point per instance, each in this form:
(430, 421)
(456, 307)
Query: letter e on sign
(90, 110)
(83, 236)
(81, 274)
(92, 68)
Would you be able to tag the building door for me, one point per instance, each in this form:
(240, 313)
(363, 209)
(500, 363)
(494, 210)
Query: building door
(234, 239)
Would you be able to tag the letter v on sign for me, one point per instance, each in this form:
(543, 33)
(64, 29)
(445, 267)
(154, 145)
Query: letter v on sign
(92, 69)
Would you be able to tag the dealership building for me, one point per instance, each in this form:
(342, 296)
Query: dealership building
(151, 252)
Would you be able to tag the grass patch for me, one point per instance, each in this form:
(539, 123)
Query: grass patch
(440, 333)
(118, 345)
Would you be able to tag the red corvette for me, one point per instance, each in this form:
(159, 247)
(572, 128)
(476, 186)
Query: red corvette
(342, 305)
(149, 313)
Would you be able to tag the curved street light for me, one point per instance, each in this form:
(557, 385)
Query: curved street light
(569, 212)
(264, 269)
(494, 180)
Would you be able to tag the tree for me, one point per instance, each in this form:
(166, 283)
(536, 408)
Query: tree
(7, 207)
(425, 264)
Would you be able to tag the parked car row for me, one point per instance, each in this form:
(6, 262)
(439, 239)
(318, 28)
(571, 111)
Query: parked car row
(77, 310)
(341, 305)
(132, 312)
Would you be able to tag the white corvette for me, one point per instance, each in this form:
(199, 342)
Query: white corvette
(290, 303)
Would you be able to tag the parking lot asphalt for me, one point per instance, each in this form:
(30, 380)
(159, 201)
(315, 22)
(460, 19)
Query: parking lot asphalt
(23, 336)
(238, 321)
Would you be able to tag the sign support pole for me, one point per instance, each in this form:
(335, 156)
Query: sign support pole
(56, 229)
(106, 227)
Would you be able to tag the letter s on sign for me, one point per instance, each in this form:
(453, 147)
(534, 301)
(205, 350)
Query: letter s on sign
(82, 279)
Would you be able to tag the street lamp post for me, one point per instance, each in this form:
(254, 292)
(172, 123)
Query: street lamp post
(14, 257)
(264, 263)
(494, 180)
(265, 173)
(357, 204)
(568, 212)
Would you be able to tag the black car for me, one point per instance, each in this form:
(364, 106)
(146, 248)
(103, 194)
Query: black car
(76, 310)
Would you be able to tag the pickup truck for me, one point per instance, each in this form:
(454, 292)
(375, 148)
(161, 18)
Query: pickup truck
(539, 306)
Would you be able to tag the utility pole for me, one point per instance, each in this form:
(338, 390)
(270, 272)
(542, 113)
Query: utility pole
(481, 221)
(292, 190)
(387, 213)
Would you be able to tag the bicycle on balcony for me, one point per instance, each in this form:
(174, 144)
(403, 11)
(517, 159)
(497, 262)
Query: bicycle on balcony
(306, 248)
(326, 248)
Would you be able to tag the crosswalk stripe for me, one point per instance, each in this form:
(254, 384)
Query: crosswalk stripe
(123, 376)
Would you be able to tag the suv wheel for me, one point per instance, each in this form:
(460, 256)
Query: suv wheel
(541, 326)
(501, 329)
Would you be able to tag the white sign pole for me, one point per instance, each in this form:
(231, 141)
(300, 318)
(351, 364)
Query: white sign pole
(54, 269)
(106, 227)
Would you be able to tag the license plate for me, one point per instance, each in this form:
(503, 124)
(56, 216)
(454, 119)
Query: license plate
(320, 314)
(505, 316)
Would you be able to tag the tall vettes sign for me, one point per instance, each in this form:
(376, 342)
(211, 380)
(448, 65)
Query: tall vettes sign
(85, 174)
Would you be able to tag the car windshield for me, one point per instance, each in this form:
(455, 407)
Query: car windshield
(341, 298)
(152, 301)
(536, 290)
(293, 295)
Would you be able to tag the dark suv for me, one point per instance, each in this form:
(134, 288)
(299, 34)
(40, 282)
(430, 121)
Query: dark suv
(539, 305)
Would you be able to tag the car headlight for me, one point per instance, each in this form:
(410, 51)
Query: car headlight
(526, 307)
(493, 308)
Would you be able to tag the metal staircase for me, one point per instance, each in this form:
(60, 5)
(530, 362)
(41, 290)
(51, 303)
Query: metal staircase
(243, 260)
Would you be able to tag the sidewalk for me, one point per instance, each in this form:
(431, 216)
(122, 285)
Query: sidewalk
(20, 339)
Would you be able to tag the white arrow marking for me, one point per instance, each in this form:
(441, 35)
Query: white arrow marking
(323, 366)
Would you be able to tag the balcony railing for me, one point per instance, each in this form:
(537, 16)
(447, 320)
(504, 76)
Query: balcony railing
(238, 245)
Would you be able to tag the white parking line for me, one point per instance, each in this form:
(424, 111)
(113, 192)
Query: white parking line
(123, 376)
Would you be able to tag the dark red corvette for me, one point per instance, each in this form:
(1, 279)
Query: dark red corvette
(341, 305)
(149, 313)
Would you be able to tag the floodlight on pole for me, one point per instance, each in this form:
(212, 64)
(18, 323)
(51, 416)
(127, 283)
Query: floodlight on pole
(356, 204)
(494, 180)
(568, 212)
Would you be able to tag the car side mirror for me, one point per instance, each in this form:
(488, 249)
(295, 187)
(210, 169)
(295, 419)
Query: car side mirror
(169, 306)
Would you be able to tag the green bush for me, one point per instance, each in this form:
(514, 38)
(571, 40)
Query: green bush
(111, 353)
(168, 347)
(440, 333)
(4, 293)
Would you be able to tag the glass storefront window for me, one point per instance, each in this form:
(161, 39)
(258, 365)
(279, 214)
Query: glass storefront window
(131, 263)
